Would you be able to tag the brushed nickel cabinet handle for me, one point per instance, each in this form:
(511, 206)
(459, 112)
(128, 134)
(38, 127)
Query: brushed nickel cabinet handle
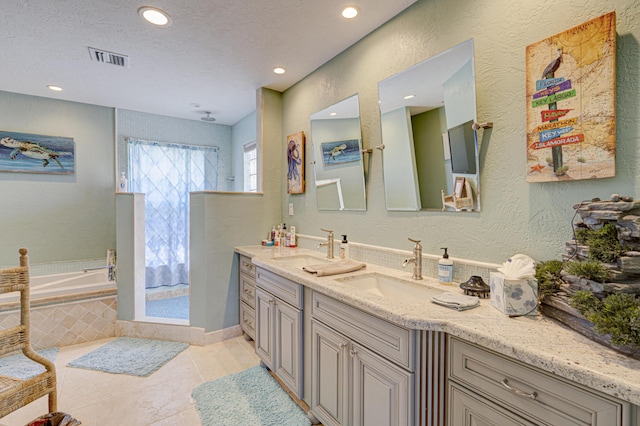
(532, 395)
(353, 353)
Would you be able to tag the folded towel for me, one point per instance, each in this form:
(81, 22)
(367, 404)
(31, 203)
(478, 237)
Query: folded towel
(456, 301)
(341, 267)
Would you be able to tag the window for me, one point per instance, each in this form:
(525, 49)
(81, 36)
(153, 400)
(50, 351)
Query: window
(250, 167)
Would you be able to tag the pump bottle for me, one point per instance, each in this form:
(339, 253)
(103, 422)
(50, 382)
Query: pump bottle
(445, 268)
(344, 248)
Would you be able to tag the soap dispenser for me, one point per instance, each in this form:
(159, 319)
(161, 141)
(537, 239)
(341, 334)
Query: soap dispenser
(344, 248)
(445, 268)
(122, 183)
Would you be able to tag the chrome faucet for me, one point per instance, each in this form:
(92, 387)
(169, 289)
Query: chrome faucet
(328, 243)
(417, 260)
(111, 265)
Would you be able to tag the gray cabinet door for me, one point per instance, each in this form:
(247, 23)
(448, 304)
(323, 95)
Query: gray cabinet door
(288, 342)
(265, 332)
(382, 392)
(329, 375)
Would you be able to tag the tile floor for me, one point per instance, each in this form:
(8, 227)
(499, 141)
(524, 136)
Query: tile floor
(162, 399)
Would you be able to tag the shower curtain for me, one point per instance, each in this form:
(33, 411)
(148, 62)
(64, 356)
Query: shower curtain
(166, 173)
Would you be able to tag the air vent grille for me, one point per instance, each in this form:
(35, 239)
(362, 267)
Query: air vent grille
(112, 58)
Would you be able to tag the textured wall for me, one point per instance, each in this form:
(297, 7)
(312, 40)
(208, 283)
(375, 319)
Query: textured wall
(516, 216)
(220, 221)
(59, 217)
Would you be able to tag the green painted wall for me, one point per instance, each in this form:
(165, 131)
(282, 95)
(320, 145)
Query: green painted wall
(516, 217)
(59, 217)
(221, 221)
(427, 139)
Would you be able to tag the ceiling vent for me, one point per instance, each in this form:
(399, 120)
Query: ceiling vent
(109, 57)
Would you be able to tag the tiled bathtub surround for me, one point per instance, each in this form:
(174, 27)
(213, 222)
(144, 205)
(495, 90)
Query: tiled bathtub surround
(68, 323)
(393, 258)
(66, 320)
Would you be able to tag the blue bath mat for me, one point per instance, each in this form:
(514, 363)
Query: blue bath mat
(127, 355)
(172, 307)
(21, 367)
(251, 397)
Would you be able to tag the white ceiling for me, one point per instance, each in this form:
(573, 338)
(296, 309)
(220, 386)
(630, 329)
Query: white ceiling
(215, 54)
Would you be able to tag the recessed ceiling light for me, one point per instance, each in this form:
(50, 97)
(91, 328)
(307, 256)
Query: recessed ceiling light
(350, 12)
(155, 16)
(54, 88)
(333, 114)
(279, 70)
(410, 96)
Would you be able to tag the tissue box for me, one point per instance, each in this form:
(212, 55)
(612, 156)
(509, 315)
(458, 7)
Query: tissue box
(513, 297)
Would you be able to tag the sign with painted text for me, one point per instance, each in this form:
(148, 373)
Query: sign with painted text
(571, 118)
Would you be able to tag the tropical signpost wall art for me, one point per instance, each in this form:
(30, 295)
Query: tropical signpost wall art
(29, 153)
(571, 88)
(295, 163)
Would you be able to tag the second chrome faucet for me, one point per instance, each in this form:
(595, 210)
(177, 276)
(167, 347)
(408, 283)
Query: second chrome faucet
(416, 260)
(328, 243)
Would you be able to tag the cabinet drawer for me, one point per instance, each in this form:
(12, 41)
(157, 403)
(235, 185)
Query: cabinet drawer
(248, 290)
(280, 287)
(539, 396)
(248, 320)
(392, 341)
(469, 410)
(247, 267)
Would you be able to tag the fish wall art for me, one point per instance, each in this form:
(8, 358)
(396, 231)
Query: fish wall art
(30, 153)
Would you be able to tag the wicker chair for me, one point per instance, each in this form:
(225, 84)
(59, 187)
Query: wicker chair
(16, 393)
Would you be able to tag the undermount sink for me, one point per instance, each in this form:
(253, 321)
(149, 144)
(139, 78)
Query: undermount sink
(300, 261)
(391, 288)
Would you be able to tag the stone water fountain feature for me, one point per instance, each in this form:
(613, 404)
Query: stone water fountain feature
(623, 264)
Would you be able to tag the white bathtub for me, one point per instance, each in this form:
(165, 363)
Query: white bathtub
(67, 284)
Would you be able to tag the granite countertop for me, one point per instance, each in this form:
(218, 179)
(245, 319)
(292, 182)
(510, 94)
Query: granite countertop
(535, 340)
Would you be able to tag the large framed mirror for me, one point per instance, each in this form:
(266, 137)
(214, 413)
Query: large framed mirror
(337, 156)
(427, 114)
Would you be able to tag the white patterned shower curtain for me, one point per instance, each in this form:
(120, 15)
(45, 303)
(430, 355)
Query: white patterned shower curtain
(166, 173)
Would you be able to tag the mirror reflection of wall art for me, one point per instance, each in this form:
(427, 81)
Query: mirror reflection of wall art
(29, 153)
(295, 163)
(571, 119)
(340, 152)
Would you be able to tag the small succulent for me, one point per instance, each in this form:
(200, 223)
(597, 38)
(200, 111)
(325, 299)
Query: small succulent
(549, 277)
(590, 269)
(617, 315)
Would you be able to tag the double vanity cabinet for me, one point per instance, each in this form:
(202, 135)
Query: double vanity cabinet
(358, 366)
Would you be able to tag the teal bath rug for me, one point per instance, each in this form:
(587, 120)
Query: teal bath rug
(251, 397)
(21, 367)
(126, 355)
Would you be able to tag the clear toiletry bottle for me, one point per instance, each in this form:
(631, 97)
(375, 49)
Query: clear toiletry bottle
(445, 268)
(344, 248)
(292, 237)
(283, 235)
(122, 183)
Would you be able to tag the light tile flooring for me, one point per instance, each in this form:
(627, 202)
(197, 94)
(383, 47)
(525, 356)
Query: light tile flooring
(162, 399)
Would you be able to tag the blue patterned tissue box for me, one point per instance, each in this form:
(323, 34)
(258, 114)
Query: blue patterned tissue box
(513, 297)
